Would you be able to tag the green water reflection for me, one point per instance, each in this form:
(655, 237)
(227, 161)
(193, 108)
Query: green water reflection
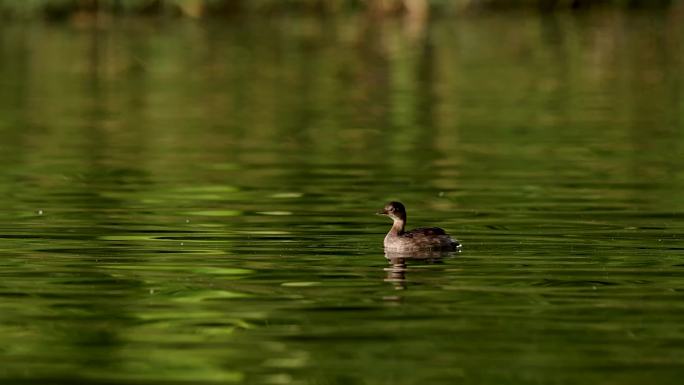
(192, 202)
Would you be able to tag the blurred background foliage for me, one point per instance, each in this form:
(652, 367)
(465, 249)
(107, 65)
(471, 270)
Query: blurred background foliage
(55, 9)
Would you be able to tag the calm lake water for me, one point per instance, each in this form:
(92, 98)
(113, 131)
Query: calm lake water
(192, 201)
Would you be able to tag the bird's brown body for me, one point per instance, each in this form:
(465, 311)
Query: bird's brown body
(424, 238)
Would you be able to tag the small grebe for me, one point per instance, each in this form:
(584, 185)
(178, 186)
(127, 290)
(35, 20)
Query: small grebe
(432, 238)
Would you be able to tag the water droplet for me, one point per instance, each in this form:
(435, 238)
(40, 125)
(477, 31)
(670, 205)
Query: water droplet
(40, 212)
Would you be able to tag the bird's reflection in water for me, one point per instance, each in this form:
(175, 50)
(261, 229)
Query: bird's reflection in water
(396, 272)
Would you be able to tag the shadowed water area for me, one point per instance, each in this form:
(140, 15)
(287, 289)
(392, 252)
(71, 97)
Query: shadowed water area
(193, 201)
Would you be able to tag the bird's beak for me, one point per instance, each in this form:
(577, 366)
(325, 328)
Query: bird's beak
(381, 212)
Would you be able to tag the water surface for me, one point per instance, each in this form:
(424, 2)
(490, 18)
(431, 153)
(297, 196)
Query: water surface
(192, 201)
